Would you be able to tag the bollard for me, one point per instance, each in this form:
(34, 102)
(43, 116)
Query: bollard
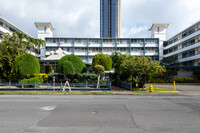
(174, 86)
(151, 89)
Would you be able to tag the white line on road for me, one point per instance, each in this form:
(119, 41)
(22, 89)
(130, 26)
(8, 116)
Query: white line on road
(48, 108)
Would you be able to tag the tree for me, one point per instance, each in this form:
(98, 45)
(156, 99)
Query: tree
(170, 61)
(68, 68)
(26, 64)
(99, 69)
(38, 43)
(140, 67)
(117, 59)
(10, 47)
(102, 59)
(77, 63)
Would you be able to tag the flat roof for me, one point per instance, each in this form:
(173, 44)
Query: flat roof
(44, 24)
(184, 30)
(161, 25)
(12, 25)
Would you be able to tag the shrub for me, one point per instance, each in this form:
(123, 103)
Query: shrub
(197, 73)
(156, 80)
(26, 64)
(48, 68)
(102, 59)
(42, 75)
(38, 80)
(185, 80)
(77, 63)
(67, 68)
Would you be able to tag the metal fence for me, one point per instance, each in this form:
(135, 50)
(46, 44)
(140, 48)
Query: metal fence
(125, 85)
(53, 86)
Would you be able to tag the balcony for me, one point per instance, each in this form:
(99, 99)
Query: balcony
(137, 45)
(183, 39)
(189, 58)
(183, 49)
(151, 53)
(151, 45)
(66, 45)
(50, 44)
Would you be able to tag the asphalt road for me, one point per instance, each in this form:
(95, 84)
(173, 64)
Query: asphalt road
(99, 114)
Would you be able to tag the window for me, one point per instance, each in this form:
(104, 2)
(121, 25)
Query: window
(158, 29)
(45, 29)
(1, 24)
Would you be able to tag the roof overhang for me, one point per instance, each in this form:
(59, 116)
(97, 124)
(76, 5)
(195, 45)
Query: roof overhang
(158, 25)
(37, 24)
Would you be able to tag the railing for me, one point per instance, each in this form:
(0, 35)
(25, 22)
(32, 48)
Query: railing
(53, 86)
(125, 85)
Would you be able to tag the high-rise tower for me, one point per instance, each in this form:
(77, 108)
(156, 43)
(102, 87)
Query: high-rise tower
(110, 18)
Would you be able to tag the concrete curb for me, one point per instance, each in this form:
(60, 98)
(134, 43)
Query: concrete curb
(133, 94)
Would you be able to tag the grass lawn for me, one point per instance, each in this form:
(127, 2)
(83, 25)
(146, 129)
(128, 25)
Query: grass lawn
(155, 91)
(147, 92)
(53, 92)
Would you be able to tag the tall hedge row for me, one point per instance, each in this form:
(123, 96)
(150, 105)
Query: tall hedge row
(102, 59)
(26, 64)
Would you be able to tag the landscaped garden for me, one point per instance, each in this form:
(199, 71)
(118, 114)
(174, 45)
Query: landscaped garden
(21, 70)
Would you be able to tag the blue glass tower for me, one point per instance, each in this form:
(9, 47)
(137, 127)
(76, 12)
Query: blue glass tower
(110, 18)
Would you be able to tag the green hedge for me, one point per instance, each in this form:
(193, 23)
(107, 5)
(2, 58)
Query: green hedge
(77, 63)
(26, 64)
(68, 68)
(185, 80)
(38, 80)
(177, 80)
(102, 59)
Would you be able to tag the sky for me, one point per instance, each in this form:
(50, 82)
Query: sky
(81, 18)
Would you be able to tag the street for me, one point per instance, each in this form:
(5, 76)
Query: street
(99, 114)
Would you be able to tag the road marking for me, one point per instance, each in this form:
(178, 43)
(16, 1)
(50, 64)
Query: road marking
(48, 108)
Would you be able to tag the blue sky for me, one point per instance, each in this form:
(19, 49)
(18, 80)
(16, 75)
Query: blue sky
(81, 18)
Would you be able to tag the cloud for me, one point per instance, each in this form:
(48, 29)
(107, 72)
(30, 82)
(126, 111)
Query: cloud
(81, 18)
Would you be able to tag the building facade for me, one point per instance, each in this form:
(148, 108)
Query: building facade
(110, 18)
(185, 46)
(159, 31)
(8, 27)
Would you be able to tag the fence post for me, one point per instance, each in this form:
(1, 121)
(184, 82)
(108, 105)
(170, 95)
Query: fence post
(22, 85)
(86, 84)
(74, 85)
(131, 87)
(9, 84)
(110, 85)
(35, 84)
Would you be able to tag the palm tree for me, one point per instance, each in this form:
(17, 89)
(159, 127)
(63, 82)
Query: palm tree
(12, 46)
(38, 43)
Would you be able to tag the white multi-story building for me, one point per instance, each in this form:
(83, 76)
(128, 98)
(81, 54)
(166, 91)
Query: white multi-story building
(8, 27)
(159, 31)
(186, 47)
(87, 48)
